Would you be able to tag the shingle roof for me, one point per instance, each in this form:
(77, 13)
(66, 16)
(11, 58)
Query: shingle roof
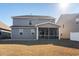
(67, 17)
(34, 16)
(4, 26)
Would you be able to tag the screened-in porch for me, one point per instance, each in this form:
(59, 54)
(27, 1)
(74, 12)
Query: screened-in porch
(48, 33)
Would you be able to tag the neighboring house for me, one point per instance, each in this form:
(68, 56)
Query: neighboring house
(68, 23)
(5, 31)
(32, 27)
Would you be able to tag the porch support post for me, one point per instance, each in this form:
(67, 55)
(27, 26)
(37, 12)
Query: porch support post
(59, 33)
(37, 33)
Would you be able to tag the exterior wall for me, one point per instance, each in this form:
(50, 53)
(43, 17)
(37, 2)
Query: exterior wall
(25, 22)
(68, 24)
(27, 34)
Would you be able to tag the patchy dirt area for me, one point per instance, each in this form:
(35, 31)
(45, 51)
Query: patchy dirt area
(37, 50)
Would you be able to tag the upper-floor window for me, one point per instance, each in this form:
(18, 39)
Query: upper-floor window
(21, 31)
(77, 21)
(30, 22)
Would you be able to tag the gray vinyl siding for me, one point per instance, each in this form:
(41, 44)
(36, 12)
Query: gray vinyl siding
(25, 22)
(27, 34)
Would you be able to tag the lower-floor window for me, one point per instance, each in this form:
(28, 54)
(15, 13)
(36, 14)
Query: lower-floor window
(0, 32)
(20, 31)
(32, 31)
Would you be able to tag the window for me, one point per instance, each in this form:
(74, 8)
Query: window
(61, 34)
(63, 25)
(0, 32)
(20, 31)
(77, 21)
(32, 31)
(30, 22)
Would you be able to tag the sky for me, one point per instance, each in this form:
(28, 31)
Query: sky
(52, 9)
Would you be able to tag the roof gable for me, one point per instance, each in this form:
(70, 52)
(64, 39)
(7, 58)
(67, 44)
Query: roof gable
(67, 17)
(48, 24)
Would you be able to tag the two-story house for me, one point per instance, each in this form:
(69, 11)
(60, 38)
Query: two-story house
(68, 23)
(34, 27)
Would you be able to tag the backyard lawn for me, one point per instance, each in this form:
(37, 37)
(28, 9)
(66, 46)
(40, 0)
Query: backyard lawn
(36, 50)
(39, 48)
